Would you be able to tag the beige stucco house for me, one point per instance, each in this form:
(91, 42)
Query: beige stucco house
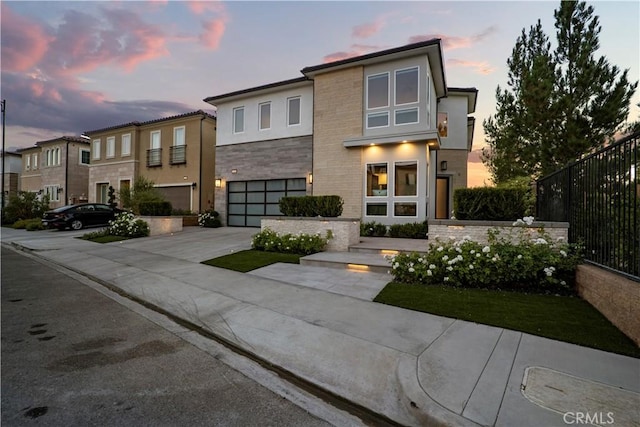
(177, 153)
(382, 130)
(58, 168)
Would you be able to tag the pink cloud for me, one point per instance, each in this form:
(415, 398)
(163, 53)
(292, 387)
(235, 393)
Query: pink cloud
(454, 42)
(201, 7)
(481, 67)
(24, 42)
(213, 32)
(367, 30)
(356, 50)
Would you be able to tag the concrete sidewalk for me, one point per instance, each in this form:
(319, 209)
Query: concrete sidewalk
(413, 368)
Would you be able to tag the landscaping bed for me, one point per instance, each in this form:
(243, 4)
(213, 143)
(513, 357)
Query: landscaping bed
(252, 259)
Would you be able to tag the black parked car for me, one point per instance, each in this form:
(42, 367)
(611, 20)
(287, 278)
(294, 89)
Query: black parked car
(78, 216)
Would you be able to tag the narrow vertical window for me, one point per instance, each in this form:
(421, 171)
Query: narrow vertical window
(35, 161)
(155, 140)
(238, 120)
(265, 116)
(96, 149)
(111, 146)
(85, 157)
(27, 164)
(178, 136)
(293, 111)
(443, 124)
(125, 148)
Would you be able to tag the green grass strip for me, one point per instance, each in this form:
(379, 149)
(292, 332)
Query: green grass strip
(569, 319)
(107, 239)
(252, 259)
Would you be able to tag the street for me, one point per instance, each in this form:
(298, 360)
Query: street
(72, 356)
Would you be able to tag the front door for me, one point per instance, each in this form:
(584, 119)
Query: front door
(442, 197)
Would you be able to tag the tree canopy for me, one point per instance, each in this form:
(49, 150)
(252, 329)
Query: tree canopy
(559, 104)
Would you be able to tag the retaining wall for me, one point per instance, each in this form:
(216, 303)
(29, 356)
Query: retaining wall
(477, 230)
(346, 231)
(163, 224)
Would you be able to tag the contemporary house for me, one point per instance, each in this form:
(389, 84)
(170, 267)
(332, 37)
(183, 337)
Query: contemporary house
(58, 168)
(176, 153)
(383, 131)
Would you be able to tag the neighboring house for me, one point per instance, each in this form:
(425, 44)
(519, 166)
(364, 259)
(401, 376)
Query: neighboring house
(58, 168)
(173, 152)
(377, 123)
(12, 169)
(264, 149)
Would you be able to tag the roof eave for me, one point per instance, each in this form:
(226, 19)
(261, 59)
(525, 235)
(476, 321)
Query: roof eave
(257, 90)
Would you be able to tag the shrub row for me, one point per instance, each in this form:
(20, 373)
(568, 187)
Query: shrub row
(155, 208)
(305, 244)
(414, 230)
(312, 206)
(490, 204)
(29, 224)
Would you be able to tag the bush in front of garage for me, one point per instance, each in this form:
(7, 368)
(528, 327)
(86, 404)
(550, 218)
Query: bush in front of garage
(312, 206)
(155, 208)
(126, 225)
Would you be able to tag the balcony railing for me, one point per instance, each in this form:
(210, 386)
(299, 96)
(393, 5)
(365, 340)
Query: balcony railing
(178, 154)
(154, 157)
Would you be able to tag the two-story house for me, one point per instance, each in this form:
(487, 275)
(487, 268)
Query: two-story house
(377, 124)
(58, 168)
(176, 153)
(264, 149)
(11, 171)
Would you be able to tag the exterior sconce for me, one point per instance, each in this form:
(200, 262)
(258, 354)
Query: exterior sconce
(234, 171)
(60, 190)
(443, 165)
(310, 178)
(218, 182)
(194, 185)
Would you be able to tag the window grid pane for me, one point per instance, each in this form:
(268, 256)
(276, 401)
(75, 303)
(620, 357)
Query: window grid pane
(378, 91)
(377, 120)
(407, 86)
(406, 177)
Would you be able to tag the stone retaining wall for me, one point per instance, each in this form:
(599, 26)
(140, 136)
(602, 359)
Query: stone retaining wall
(615, 296)
(163, 224)
(477, 230)
(346, 231)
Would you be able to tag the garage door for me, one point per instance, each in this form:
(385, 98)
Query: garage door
(249, 201)
(180, 197)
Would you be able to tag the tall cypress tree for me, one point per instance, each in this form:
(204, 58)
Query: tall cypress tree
(560, 105)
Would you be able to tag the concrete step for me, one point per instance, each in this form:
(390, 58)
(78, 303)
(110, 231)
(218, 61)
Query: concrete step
(348, 260)
(389, 245)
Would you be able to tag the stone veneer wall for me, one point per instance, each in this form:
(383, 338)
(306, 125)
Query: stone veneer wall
(346, 231)
(162, 224)
(615, 296)
(273, 159)
(337, 115)
(477, 230)
(111, 174)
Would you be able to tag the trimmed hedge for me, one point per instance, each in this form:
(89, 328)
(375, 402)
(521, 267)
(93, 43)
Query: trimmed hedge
(413, 230)
(312, 206)
(490, 203)
(155, 208)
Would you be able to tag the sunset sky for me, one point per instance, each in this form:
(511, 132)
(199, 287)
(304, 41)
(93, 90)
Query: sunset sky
(69, 67)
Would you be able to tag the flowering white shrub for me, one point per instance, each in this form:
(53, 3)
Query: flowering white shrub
(209, 219)
(305, 244)
(126, 225)
(530, 264)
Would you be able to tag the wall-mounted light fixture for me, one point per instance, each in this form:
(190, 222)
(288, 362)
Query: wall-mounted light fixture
(310, 178)
(60, 190)
(218, 182)
(443, 165)
(194, 185)
(234, 171)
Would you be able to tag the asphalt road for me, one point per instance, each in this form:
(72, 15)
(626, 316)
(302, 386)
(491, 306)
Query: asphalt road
(72, 356)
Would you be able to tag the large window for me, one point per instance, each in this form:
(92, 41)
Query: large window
(406, 179)
(378, 91)
(265, 116)
(407, 86)
(443, 125)
(178, 135)
(377, 179)
(293, 111)
(111, 147)
(96, 149)
(238, 120)
(125, 149)
(155, 140)
(53, 192)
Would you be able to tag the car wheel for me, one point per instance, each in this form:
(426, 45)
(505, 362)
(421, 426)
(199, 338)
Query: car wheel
(76, 224)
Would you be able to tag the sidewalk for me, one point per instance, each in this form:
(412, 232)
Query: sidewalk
(413, 368)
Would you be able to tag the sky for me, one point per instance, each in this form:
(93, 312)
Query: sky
(71, 67)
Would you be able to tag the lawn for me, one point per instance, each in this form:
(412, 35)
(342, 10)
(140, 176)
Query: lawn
(568, 319)
(108, 239)
(251, 259)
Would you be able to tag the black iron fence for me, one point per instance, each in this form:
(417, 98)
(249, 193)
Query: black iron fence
(600, 198)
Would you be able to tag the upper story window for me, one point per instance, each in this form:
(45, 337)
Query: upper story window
(35, 160)
(378, 91)
(178, 135)
(125, 142)
(443, 124)
(27, 163)
(265, 116)
(407, 86)
(155, 140)
(293, 111)
(85, 156)
(238, 120)
(96, 149)
(111, 146)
